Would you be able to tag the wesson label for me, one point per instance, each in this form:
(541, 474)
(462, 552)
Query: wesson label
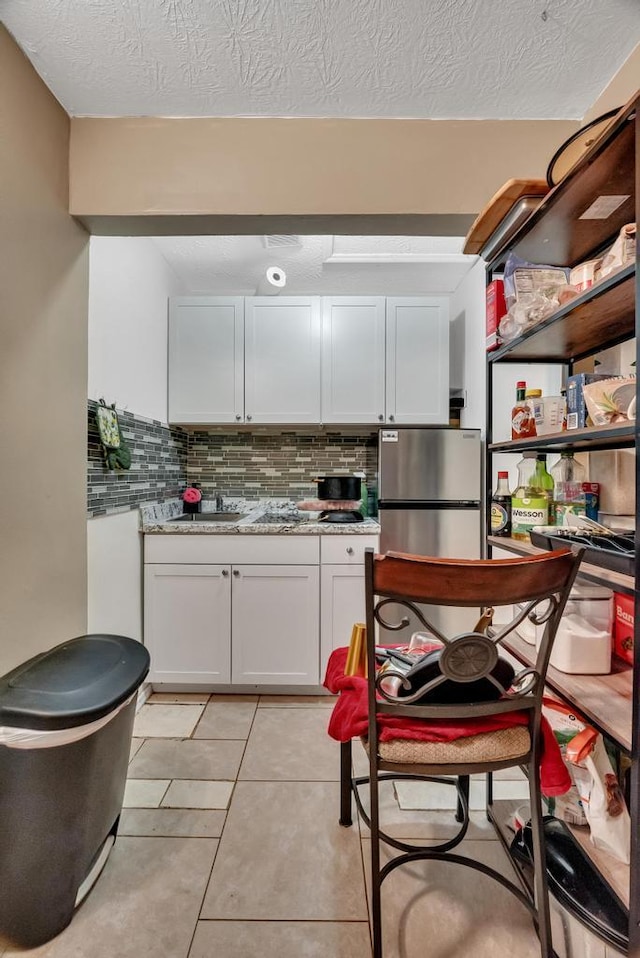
(528, 513)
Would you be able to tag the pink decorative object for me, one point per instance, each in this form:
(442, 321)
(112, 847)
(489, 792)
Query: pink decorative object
(191, 495)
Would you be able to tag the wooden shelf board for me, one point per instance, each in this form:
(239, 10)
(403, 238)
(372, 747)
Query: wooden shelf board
(594, 437)
(605, 700)
(617, 581)
(614, 872)
(602, 316)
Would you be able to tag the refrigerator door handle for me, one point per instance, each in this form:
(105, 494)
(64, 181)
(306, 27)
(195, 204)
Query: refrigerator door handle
(418, 504)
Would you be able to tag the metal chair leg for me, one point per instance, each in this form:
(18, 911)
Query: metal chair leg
(463, 784)
(376, 902)
(539, 861)
(345, 784)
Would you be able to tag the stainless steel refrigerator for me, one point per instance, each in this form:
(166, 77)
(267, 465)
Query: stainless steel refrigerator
(430, 496)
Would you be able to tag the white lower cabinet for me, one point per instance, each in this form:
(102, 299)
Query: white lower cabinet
(253, 619)
(276, 625)
(187, 626)
(342, 601)
(341, 605)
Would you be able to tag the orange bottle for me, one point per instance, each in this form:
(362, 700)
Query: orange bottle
(523, 424)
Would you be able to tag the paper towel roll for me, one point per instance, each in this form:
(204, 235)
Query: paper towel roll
(273, 282)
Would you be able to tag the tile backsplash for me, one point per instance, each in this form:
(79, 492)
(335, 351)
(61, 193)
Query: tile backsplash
(250, 465)
(276, 463)
(158, 465)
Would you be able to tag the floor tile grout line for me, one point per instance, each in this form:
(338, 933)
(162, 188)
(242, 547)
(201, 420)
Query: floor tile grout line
(226, 818)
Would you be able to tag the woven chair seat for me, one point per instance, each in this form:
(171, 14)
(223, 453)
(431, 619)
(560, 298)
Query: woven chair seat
(502, 745)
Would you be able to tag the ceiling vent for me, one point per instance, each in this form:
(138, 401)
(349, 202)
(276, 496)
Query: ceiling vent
(281, 242)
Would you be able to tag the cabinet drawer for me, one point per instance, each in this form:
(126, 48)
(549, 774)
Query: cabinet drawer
(347, 550)
(230, 549)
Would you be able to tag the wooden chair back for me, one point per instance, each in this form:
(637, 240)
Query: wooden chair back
(538, 585)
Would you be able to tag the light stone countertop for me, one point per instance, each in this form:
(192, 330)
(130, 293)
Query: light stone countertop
(282, 519)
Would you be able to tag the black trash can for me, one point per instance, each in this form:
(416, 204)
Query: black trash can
(66, 719)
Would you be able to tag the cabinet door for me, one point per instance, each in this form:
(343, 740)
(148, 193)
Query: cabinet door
(206, 360)
(417, 361)
(353, 359)
(342, 604)
(282, 359)
(276, 615)
(187, 626)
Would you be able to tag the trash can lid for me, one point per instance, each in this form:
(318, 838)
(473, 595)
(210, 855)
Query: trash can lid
(74, 683)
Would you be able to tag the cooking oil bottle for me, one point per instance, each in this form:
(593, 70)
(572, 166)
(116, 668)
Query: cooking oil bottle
(531, 498)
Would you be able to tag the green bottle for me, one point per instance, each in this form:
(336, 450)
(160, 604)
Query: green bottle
(541, 477)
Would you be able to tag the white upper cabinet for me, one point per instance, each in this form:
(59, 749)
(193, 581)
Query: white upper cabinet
(353, 359)
(282, 359)
(417, 361)
(206, 359)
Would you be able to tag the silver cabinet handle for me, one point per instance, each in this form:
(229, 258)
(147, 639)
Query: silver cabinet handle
(236, 573)
(225, 573)
(349, 551)
(238, 417)
(392, 418)
(249, 418)
(381, 417)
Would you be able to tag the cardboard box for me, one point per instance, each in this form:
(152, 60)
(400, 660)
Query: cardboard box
(576, 406)
(496, 309)
(623, 626)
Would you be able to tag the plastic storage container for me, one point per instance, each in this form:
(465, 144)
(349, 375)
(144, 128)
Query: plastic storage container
(568, 493)
(66, 718)
(583, 641)
(549, 413)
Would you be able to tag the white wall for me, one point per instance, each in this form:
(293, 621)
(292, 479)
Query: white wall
(468, 360)
(129, 285)
(114, 602)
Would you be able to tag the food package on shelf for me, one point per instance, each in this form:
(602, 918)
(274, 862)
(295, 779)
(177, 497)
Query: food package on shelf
(600, 794)
(611, 401)
(566, 725)
(495, 310)
(621, 253)
(623, 626)
(576, 406)
(532, 292)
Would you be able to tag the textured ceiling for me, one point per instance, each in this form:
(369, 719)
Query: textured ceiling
(367, 58)
(237, 264)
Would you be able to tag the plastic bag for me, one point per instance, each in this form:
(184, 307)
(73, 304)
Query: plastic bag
(566, 726)
(621, 253)
(532, 292)
(601, 795)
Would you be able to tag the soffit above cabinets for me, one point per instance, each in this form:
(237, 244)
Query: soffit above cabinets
(316, 265)
(455, 59)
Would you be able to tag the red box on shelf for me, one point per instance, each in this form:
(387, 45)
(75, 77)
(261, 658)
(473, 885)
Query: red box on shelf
(496, 309)
(623, 626)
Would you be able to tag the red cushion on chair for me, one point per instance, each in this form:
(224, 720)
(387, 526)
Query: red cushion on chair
(349, 719)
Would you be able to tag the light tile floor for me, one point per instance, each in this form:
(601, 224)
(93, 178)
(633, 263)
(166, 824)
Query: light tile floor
(230, 846)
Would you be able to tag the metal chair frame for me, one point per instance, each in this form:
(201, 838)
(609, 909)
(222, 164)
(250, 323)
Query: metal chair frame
(541, 585)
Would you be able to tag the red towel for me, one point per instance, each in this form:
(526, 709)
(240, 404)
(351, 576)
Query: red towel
(349, 719)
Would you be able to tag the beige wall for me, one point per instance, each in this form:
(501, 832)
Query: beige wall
(315, 168)
(622, 87)
(43, 372)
